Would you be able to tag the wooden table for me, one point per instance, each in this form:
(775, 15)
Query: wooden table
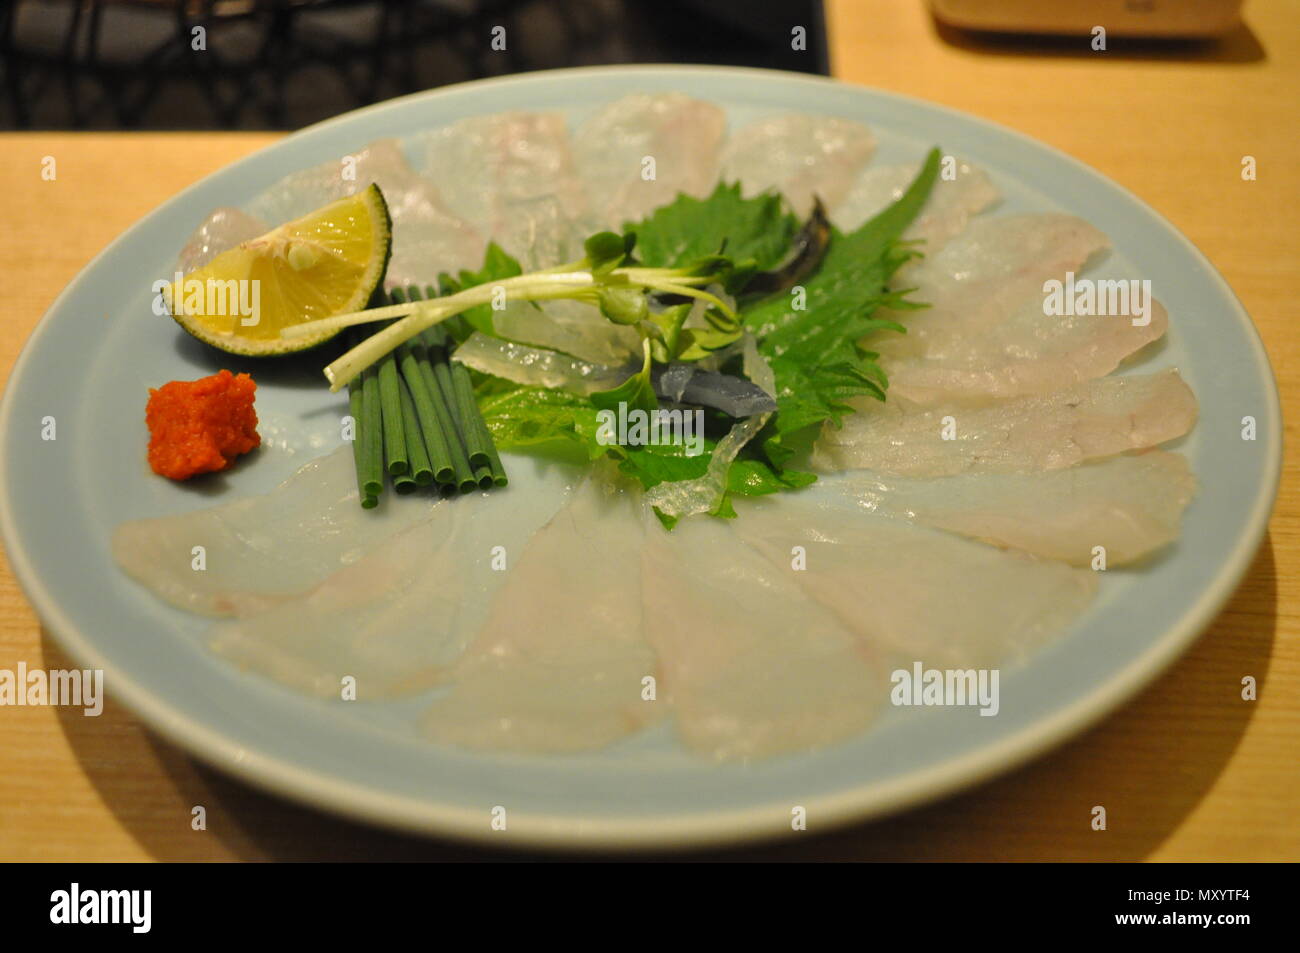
(1187, 771)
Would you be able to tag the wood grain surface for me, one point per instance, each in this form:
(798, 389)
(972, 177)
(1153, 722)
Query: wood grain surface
(1188, 771)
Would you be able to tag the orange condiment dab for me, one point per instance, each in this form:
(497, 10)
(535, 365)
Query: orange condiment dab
(200, 426)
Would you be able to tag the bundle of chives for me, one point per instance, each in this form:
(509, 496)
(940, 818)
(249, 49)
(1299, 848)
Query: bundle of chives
(395, 452)
(479, 445)
(421, 468)
(416, 420)
(360, 455)
(485, 444)
(369, 430)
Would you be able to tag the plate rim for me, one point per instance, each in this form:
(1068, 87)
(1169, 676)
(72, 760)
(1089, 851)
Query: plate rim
(429, 816)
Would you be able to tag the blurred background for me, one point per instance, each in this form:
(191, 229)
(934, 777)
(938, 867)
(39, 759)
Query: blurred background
(282, 64)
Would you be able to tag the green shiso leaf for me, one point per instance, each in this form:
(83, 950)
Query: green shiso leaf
(690, 231)
(814, 350)
(497, 266)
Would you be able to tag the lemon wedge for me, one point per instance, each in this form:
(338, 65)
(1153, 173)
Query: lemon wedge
(327, 262)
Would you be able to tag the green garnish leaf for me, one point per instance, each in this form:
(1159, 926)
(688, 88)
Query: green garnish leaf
(538, 418)
(814, 351)
(498, 265)
(693, 232)
(607, 250)
(637, 392)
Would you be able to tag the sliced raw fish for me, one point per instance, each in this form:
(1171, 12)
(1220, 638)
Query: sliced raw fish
(512, 176)
(559, 663)
(225, 228)
(986, 334)
(914, 593)
(752, 665)
(260, 550)
(1131, 505)
(427, 236)
(573, 327)
(945, 214)
(537, 367)
(998, 264)
(1097, 418)
(800, 156)
(613, 149)
(398, 618)
(1027, 353)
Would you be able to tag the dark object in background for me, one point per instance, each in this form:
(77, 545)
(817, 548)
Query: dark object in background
(167, 64)
(1181, 19)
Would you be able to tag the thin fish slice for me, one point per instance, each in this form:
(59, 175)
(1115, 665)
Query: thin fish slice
(559, 664)
(1098, 418)
(537, 367)
(800, 156)
(425, 230)
(998, 264)
(225, 228)
(574, 327)
(916, 594)
(639, 152)
(515, 180)
(1027, 353)
(953, 200)
(753, 666)
(1131, 506)
(261, 550)
(398, 619)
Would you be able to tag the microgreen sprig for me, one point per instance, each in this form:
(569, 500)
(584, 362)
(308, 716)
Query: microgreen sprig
(607, 277)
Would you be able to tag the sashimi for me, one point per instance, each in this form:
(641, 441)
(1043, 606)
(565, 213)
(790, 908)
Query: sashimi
(799, 156)
(992, 268)
(916, 594)
(251, 553)
(953, 200)
(515, 180)
(753, 666)
(1029, 352)
(224, 228)
(1130, 506)
(427, 236)
(639, 152)
(559, 664)
(1058, 429)
(399, 618)
(569, 326)
(537, 367)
